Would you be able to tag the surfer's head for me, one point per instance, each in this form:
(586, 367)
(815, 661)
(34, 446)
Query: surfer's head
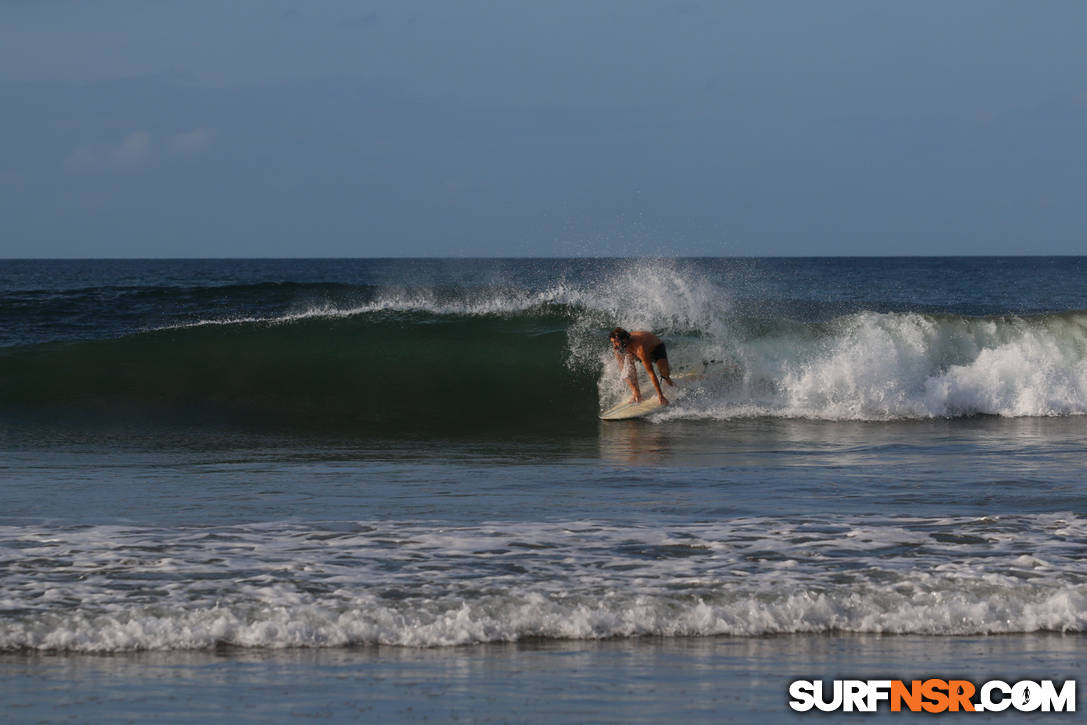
(619, 338)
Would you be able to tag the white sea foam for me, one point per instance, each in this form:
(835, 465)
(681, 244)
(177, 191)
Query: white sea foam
(366, 620)
(419, 584)
(889, 366)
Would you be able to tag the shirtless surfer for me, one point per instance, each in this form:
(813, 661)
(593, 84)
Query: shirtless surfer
(648, 348)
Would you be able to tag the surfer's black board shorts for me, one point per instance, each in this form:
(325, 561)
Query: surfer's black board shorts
(660, 352)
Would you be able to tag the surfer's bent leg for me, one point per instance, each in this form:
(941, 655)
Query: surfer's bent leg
(659, 355)
(662, 367)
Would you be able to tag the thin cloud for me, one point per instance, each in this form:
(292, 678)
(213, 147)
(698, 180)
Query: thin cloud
(132, 153)
(136, 151)
(191, 143)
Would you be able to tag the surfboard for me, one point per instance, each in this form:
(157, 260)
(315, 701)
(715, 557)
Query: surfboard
(650, 402)
(627, 410)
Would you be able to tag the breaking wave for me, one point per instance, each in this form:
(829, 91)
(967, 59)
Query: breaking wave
(460, 360)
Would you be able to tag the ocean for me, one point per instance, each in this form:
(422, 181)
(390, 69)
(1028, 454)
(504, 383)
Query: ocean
(378, 490)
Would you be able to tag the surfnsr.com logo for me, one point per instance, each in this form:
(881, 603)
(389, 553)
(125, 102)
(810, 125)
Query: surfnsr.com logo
(932, 695)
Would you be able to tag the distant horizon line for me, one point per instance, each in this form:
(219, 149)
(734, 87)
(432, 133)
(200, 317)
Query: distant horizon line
(523, 257)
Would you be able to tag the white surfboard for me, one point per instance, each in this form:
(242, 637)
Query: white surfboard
(650, 402)
(627, 410)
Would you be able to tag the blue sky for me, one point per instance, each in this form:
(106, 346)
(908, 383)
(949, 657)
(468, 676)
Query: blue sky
(557, 128)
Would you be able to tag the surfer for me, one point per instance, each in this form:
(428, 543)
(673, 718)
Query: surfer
(647, 347)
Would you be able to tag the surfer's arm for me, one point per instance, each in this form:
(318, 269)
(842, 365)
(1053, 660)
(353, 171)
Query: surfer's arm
(628, 372)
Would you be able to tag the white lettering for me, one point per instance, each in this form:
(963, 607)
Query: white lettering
(878, 690)
(1026, 696)
(854, 695)
(1063, 701)
(802, 693)
(834, 703)
(991, 705)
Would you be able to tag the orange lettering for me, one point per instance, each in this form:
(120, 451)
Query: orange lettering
(959, 694)
(911, 695)
(934, 690)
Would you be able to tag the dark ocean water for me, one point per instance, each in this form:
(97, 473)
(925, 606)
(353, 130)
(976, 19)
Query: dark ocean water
(267, 454)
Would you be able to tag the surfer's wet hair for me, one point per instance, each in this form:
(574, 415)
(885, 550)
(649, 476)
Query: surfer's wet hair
(619, 334)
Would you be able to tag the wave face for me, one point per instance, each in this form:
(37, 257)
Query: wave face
(367, 372)
(421, 584)
(522, 349)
